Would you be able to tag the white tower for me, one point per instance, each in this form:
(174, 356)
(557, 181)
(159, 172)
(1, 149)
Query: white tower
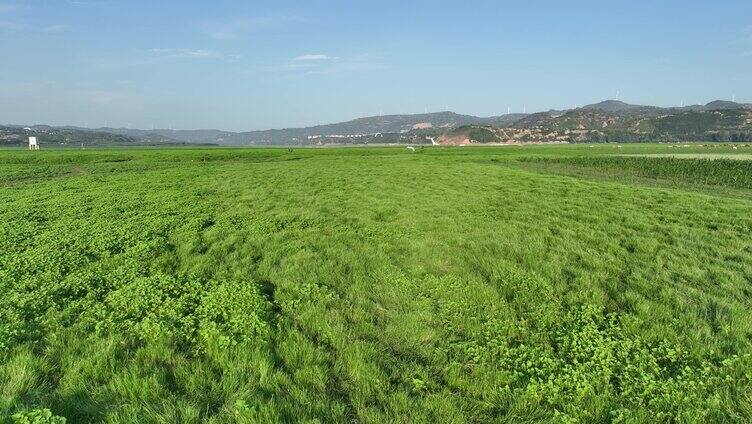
(33, 143)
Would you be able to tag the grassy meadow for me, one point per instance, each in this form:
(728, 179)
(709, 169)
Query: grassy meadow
(451, 285)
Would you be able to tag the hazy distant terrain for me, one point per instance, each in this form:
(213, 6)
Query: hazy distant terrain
(614, 121)
(607, 121)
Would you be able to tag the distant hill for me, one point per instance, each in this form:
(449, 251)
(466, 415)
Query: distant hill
(480, 134)
(505, 120)
(356, 129)
(169, 135)
(724, 104)
(714, 105)
(609, 120)
(11, 135)
(431, 123)
(616, 106)
(15, 135)
(592, 125)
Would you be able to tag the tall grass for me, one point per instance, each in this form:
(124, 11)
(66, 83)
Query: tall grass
(712, 172)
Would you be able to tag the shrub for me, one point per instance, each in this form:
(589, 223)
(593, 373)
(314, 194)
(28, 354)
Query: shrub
(232, 313)
(37, 416)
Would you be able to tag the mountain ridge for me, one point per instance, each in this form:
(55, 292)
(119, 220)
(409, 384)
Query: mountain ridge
(601, 117)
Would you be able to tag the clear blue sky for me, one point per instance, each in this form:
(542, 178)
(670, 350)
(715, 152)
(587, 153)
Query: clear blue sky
(243, 65)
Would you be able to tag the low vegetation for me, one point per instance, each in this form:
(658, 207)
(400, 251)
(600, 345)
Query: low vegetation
(721, 172)
(374, 285)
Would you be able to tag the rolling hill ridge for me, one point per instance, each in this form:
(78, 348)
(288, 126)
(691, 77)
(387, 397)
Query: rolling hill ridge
(606, 121)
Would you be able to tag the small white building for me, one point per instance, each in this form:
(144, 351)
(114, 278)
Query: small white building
(33, 143)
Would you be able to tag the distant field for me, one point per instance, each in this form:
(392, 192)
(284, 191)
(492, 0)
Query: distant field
(517, 284)
(700, 156)
(714, 171)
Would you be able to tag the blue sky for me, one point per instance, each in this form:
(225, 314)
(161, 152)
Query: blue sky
(244, 65)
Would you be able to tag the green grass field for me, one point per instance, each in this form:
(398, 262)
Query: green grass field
(374, 285)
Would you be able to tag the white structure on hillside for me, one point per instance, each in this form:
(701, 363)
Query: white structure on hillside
(33, 143)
